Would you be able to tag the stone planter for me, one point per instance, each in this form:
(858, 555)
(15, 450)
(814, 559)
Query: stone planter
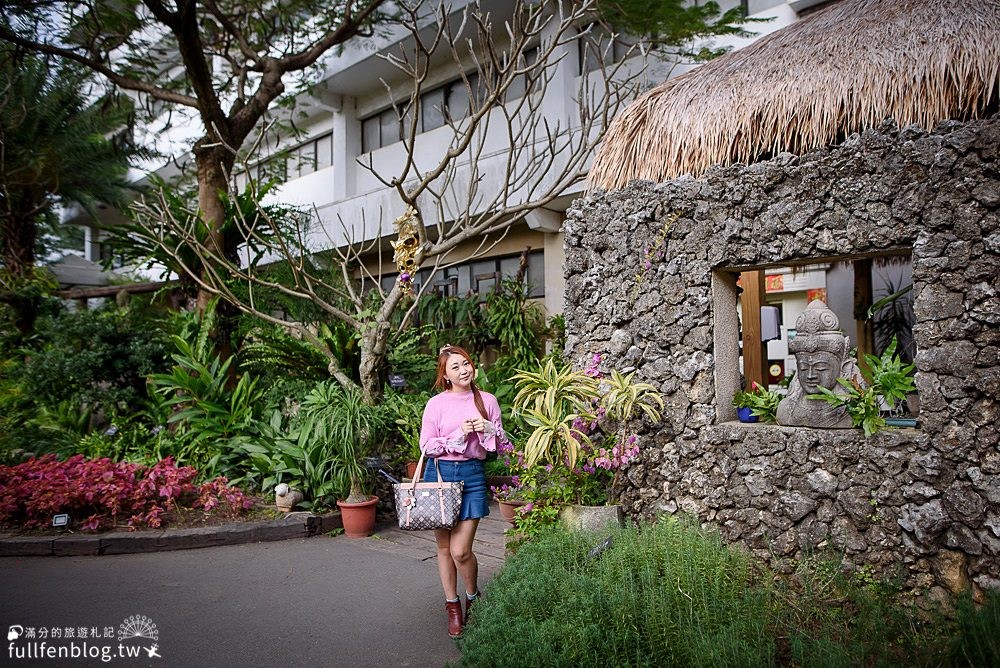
(592, 518)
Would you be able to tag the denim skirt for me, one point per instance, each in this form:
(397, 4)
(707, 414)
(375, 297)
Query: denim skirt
(475, 502)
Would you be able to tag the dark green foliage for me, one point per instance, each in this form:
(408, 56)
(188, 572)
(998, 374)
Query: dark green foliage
(977, 641)
(100, 358)
(670, 594)
(269, 350)
(673, 26)
(517, 323)
(408, 355)
(55, 147)
(453, 321)
(210, 418)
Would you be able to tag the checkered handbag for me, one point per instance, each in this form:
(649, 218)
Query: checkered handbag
(428, 505)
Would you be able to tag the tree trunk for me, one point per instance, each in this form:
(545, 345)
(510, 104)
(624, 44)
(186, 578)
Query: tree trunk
(19, 238)
(370, 370)
(214, 163)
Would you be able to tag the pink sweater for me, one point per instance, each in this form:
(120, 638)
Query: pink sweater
(441, 433)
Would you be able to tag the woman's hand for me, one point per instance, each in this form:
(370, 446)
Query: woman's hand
(473, 424)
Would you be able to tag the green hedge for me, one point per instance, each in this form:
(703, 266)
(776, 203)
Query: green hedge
(670, 594)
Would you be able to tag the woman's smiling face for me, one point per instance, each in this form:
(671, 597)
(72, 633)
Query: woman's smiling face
(460, 372)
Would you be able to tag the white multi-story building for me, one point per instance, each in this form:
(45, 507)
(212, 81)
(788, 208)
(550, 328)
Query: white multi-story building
(348, 120)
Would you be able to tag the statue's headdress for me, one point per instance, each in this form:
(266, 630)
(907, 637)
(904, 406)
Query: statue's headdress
(818, 329)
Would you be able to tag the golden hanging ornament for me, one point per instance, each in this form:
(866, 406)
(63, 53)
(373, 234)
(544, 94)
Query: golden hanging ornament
(406, 247)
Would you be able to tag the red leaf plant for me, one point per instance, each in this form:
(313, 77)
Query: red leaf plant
(97, 492)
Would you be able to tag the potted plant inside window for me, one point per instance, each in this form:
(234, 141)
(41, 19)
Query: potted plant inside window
(578, 441)
(758, 404)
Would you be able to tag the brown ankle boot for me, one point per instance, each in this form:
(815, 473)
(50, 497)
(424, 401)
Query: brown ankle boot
(468, 604)
(454, 610)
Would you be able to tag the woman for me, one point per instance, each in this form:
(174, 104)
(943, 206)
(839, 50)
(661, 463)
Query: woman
(460, 425)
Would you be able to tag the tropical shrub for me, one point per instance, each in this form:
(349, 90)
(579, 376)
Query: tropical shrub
(209, 418)
(320, 451)
(100, 358)
(99, 493)
(406, 412)
(517, 322)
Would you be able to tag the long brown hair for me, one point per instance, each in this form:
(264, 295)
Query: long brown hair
(441, 383)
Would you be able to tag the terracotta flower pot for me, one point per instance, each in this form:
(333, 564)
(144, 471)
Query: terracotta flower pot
(508, 509)
(411, 469)
(359, 518)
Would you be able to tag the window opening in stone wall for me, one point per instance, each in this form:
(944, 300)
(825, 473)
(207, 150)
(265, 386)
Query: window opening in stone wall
(869, 299)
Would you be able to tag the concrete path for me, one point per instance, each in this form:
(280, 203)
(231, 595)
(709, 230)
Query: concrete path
(319, 601)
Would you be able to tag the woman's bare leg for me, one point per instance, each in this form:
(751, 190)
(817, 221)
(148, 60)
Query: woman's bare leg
(446, 564)
(464, 558)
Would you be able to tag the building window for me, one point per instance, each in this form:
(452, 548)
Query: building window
(292, 163)
(480, 276)
(598, 47)
(438, 106)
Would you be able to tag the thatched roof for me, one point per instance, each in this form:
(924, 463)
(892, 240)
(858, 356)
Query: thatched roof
(845, 68)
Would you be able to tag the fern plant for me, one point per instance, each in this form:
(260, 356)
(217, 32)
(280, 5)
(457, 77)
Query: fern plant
(890, 379)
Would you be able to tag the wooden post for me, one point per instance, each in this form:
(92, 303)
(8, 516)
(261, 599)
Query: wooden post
(754, 351)
(865, 339)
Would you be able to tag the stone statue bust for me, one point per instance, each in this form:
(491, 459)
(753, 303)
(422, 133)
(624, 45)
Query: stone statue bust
(820, 350)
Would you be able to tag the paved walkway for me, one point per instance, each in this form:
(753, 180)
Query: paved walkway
(318, 601)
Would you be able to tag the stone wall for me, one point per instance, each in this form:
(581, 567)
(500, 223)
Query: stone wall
(924, 501)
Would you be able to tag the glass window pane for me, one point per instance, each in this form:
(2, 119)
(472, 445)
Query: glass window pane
(432, 109)
(464, 280)
(370, 134)
(536, 274)
(458, 99)
(324, 151)
(389, 127)
(306, 157)
(484, 277)
(516, 88)
(509, 266)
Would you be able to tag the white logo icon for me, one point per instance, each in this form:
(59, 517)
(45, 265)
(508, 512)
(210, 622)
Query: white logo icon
(15, 632)
(138, 626)
(151, 651)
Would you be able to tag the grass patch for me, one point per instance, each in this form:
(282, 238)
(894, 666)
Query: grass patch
(671, 594)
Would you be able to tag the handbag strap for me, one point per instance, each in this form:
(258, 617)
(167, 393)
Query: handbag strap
(420, 469)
